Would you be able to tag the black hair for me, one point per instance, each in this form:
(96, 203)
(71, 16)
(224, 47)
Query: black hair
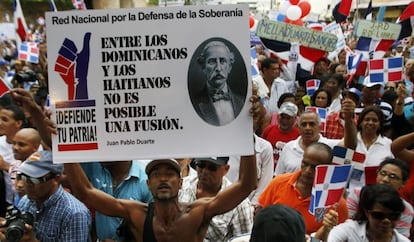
(379, 114)
(329, 97)
(383, 194)
(405, 169)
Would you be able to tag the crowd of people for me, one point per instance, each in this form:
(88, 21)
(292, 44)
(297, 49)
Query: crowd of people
(261, 197)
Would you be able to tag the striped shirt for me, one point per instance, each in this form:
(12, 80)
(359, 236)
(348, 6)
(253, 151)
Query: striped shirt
(61, 218)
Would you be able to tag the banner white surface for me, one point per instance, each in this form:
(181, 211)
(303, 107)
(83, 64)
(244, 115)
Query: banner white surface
(132, 83)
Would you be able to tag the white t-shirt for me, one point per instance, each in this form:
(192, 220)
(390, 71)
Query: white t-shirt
(291, 156)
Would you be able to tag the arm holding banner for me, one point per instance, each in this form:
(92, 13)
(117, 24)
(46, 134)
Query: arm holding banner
(38, 117)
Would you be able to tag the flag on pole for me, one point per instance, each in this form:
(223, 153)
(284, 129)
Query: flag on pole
(343, 156)
(253, 62)
(29, 51)
(304, 55)
(53, 6)
(373, 48)
(322, 115)
(3, 86)
(341, 10)
(386, 70)
(312, 85)
(368, 13)
(79, 4)
(407, 21)
(19, 23)
(328, 186)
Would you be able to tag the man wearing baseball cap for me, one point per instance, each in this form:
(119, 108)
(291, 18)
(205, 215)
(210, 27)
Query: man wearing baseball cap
(166, 219)
(58, 216)
(279, 134)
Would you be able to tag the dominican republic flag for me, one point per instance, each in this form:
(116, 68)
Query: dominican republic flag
(328, 186)
(19, 23)
(253, 62)
(373, 48)
(407, 21)
(305, 56)
(29, 51)
(368, 13)
(311, 86)
(341, 10)
(322, 114)
(3, 87)
(343, 156)
(352, 61)
(79, 4)
(386, 70)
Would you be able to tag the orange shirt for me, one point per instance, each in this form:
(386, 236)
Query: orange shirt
(282, 190)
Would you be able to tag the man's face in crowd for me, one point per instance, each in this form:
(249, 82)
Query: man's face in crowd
(164, 182)
(218, 66)
(391, 175)
(272, 72)
(311, 158)
(23, 146)
(286, 122)
(309, 128)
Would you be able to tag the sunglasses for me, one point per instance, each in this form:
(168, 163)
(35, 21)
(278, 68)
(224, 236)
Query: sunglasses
(210, 167)
(33, 180)
(381, 215)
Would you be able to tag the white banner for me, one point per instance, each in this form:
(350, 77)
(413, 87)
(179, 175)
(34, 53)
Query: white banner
(138, 83)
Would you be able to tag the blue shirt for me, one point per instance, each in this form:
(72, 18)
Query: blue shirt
(134, 187)
(61, 218)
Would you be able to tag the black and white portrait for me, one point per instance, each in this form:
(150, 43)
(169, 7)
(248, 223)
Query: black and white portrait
(217, 81)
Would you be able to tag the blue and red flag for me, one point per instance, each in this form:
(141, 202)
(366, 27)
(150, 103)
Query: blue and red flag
(29, 51)
(407, 21)
(328, 186)
(312, 85)
(341, 10)
(19, 23)
(79, 4)
(386, 70)
(373, 48)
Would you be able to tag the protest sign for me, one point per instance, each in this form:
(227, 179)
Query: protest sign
(126, 83)
(378, 30)
(292, 33)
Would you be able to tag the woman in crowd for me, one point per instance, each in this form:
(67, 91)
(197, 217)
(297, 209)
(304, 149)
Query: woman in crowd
(371, 141)
(380, 206)
(321, 98)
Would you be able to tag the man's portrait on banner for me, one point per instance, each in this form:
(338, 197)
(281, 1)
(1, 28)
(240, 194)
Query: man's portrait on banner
(217, 81)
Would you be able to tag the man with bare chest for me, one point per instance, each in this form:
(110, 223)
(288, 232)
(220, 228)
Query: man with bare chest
(171, 220)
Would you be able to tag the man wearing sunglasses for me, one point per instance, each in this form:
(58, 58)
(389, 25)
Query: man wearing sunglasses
(392, 172)
(58, 216)
(210, 180)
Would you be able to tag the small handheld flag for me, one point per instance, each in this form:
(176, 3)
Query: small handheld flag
(328, 186)
(344, 155)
